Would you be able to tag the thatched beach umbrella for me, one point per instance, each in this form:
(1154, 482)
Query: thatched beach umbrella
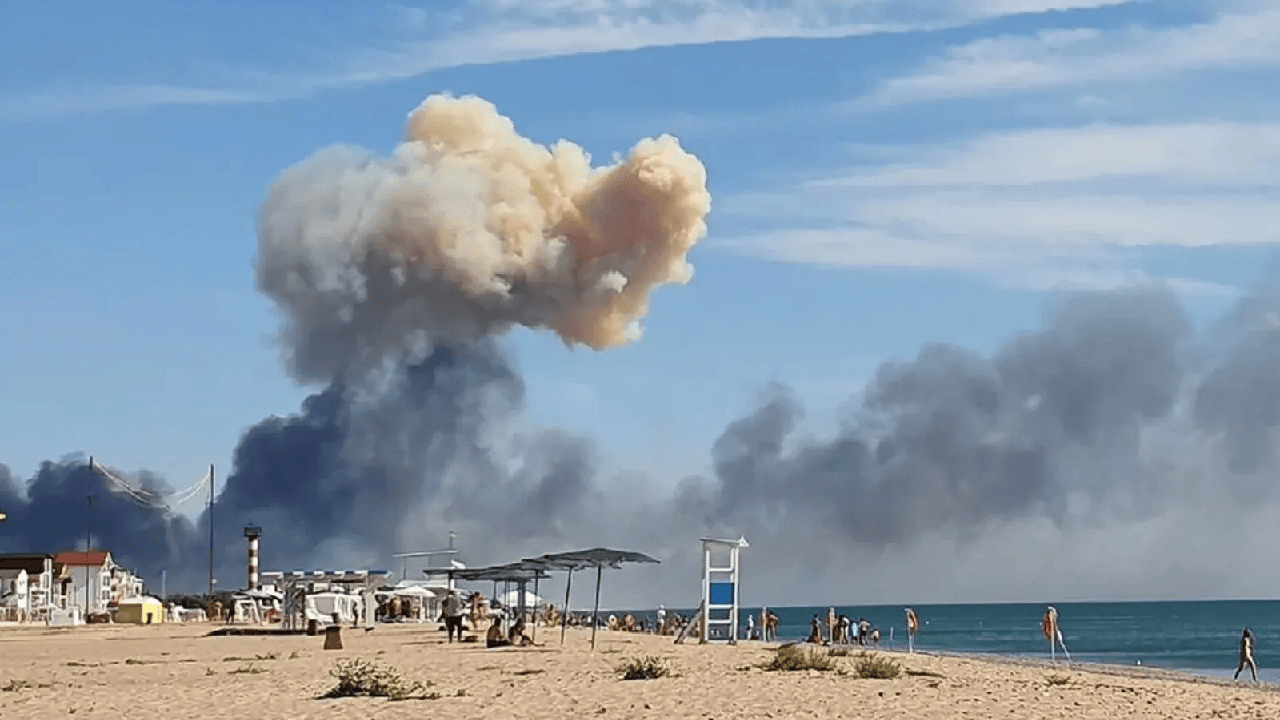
(597, 558)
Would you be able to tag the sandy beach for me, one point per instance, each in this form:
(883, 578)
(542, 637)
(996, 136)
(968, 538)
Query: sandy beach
(173, 672)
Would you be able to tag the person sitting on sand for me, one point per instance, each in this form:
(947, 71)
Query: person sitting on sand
(1246, 655)
(494, 637)
(516, 634)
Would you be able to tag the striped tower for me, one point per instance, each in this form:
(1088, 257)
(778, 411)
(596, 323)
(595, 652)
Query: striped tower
(253, 533)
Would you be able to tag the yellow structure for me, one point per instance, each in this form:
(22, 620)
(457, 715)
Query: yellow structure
(140, 610)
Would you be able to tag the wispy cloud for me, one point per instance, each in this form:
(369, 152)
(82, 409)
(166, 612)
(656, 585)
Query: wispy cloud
(1049, 206)
(481, 32)
(1244, 37)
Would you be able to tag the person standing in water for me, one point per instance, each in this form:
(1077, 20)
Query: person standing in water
(913, 626)
(1246, 655)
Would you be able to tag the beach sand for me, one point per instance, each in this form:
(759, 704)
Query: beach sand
(177, 672)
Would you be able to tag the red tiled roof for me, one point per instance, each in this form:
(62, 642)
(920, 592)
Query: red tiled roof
(94, 558)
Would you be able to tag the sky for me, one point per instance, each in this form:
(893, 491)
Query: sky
(884, 174)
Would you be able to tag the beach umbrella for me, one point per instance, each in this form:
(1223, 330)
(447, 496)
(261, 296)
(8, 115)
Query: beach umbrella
(597, 558)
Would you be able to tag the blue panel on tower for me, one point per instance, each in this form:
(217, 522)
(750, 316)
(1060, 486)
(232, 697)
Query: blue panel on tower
(721, 593)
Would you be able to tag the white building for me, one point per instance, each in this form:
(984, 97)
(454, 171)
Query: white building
(26, 586)
(108, 581)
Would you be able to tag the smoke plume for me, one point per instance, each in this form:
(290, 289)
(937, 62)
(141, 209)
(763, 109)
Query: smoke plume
(466, 230)
(1115, 451)
(396, 276)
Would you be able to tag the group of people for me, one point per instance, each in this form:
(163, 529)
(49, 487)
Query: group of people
(841, 630)
(453, 613)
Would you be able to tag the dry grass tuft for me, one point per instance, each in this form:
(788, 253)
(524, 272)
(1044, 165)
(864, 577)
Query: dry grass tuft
(360, 678)
(648, 667)
(872, 667)
(790, 658)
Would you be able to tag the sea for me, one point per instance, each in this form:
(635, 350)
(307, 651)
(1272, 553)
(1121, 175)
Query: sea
(1201, 637)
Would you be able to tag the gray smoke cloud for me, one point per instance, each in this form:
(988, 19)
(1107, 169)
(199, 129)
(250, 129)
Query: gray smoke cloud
(396, 278)
(466, 230)
(1116, 451)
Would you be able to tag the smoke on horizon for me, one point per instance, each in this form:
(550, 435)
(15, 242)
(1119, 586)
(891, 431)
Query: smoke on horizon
(1114, 451)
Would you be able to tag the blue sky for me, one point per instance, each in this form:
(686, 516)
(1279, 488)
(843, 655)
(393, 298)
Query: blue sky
(885, 173)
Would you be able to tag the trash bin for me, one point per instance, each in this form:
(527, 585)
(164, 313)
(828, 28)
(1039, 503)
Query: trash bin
(333, 637)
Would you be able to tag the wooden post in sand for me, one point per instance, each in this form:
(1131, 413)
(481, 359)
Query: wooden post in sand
(595, 613)
(536, 597)
(564, 625)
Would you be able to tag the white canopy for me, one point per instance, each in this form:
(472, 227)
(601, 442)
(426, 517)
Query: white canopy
(511, 598)
(413, 590)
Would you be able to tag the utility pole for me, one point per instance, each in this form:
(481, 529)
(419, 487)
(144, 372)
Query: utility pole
(88, 535)
(211, 485)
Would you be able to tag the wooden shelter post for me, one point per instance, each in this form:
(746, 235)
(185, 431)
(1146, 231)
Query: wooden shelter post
(595, 613)
(564, 624)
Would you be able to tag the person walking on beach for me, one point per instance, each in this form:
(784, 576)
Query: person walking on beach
(453, 615)
(913, 626)
(1246, 655)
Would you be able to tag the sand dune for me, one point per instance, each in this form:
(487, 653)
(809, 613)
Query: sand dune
(176, 672)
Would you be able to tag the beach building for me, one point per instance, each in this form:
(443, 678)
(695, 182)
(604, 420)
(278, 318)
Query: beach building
(108, 582)
(142, 610)
(26, 586)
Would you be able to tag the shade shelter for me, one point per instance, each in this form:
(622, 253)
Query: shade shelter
(519, 573)
(293, 586)
(598, 558)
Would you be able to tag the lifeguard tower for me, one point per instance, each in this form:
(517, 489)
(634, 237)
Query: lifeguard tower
(720, 590)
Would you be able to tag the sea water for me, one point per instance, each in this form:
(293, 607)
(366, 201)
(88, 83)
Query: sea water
(1202, 637)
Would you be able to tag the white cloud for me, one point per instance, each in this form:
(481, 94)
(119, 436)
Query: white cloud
(482, 32)
(1245, 37)
(1039, 207)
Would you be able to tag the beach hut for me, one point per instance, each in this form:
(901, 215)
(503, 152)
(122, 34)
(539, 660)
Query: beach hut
(140, 610)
